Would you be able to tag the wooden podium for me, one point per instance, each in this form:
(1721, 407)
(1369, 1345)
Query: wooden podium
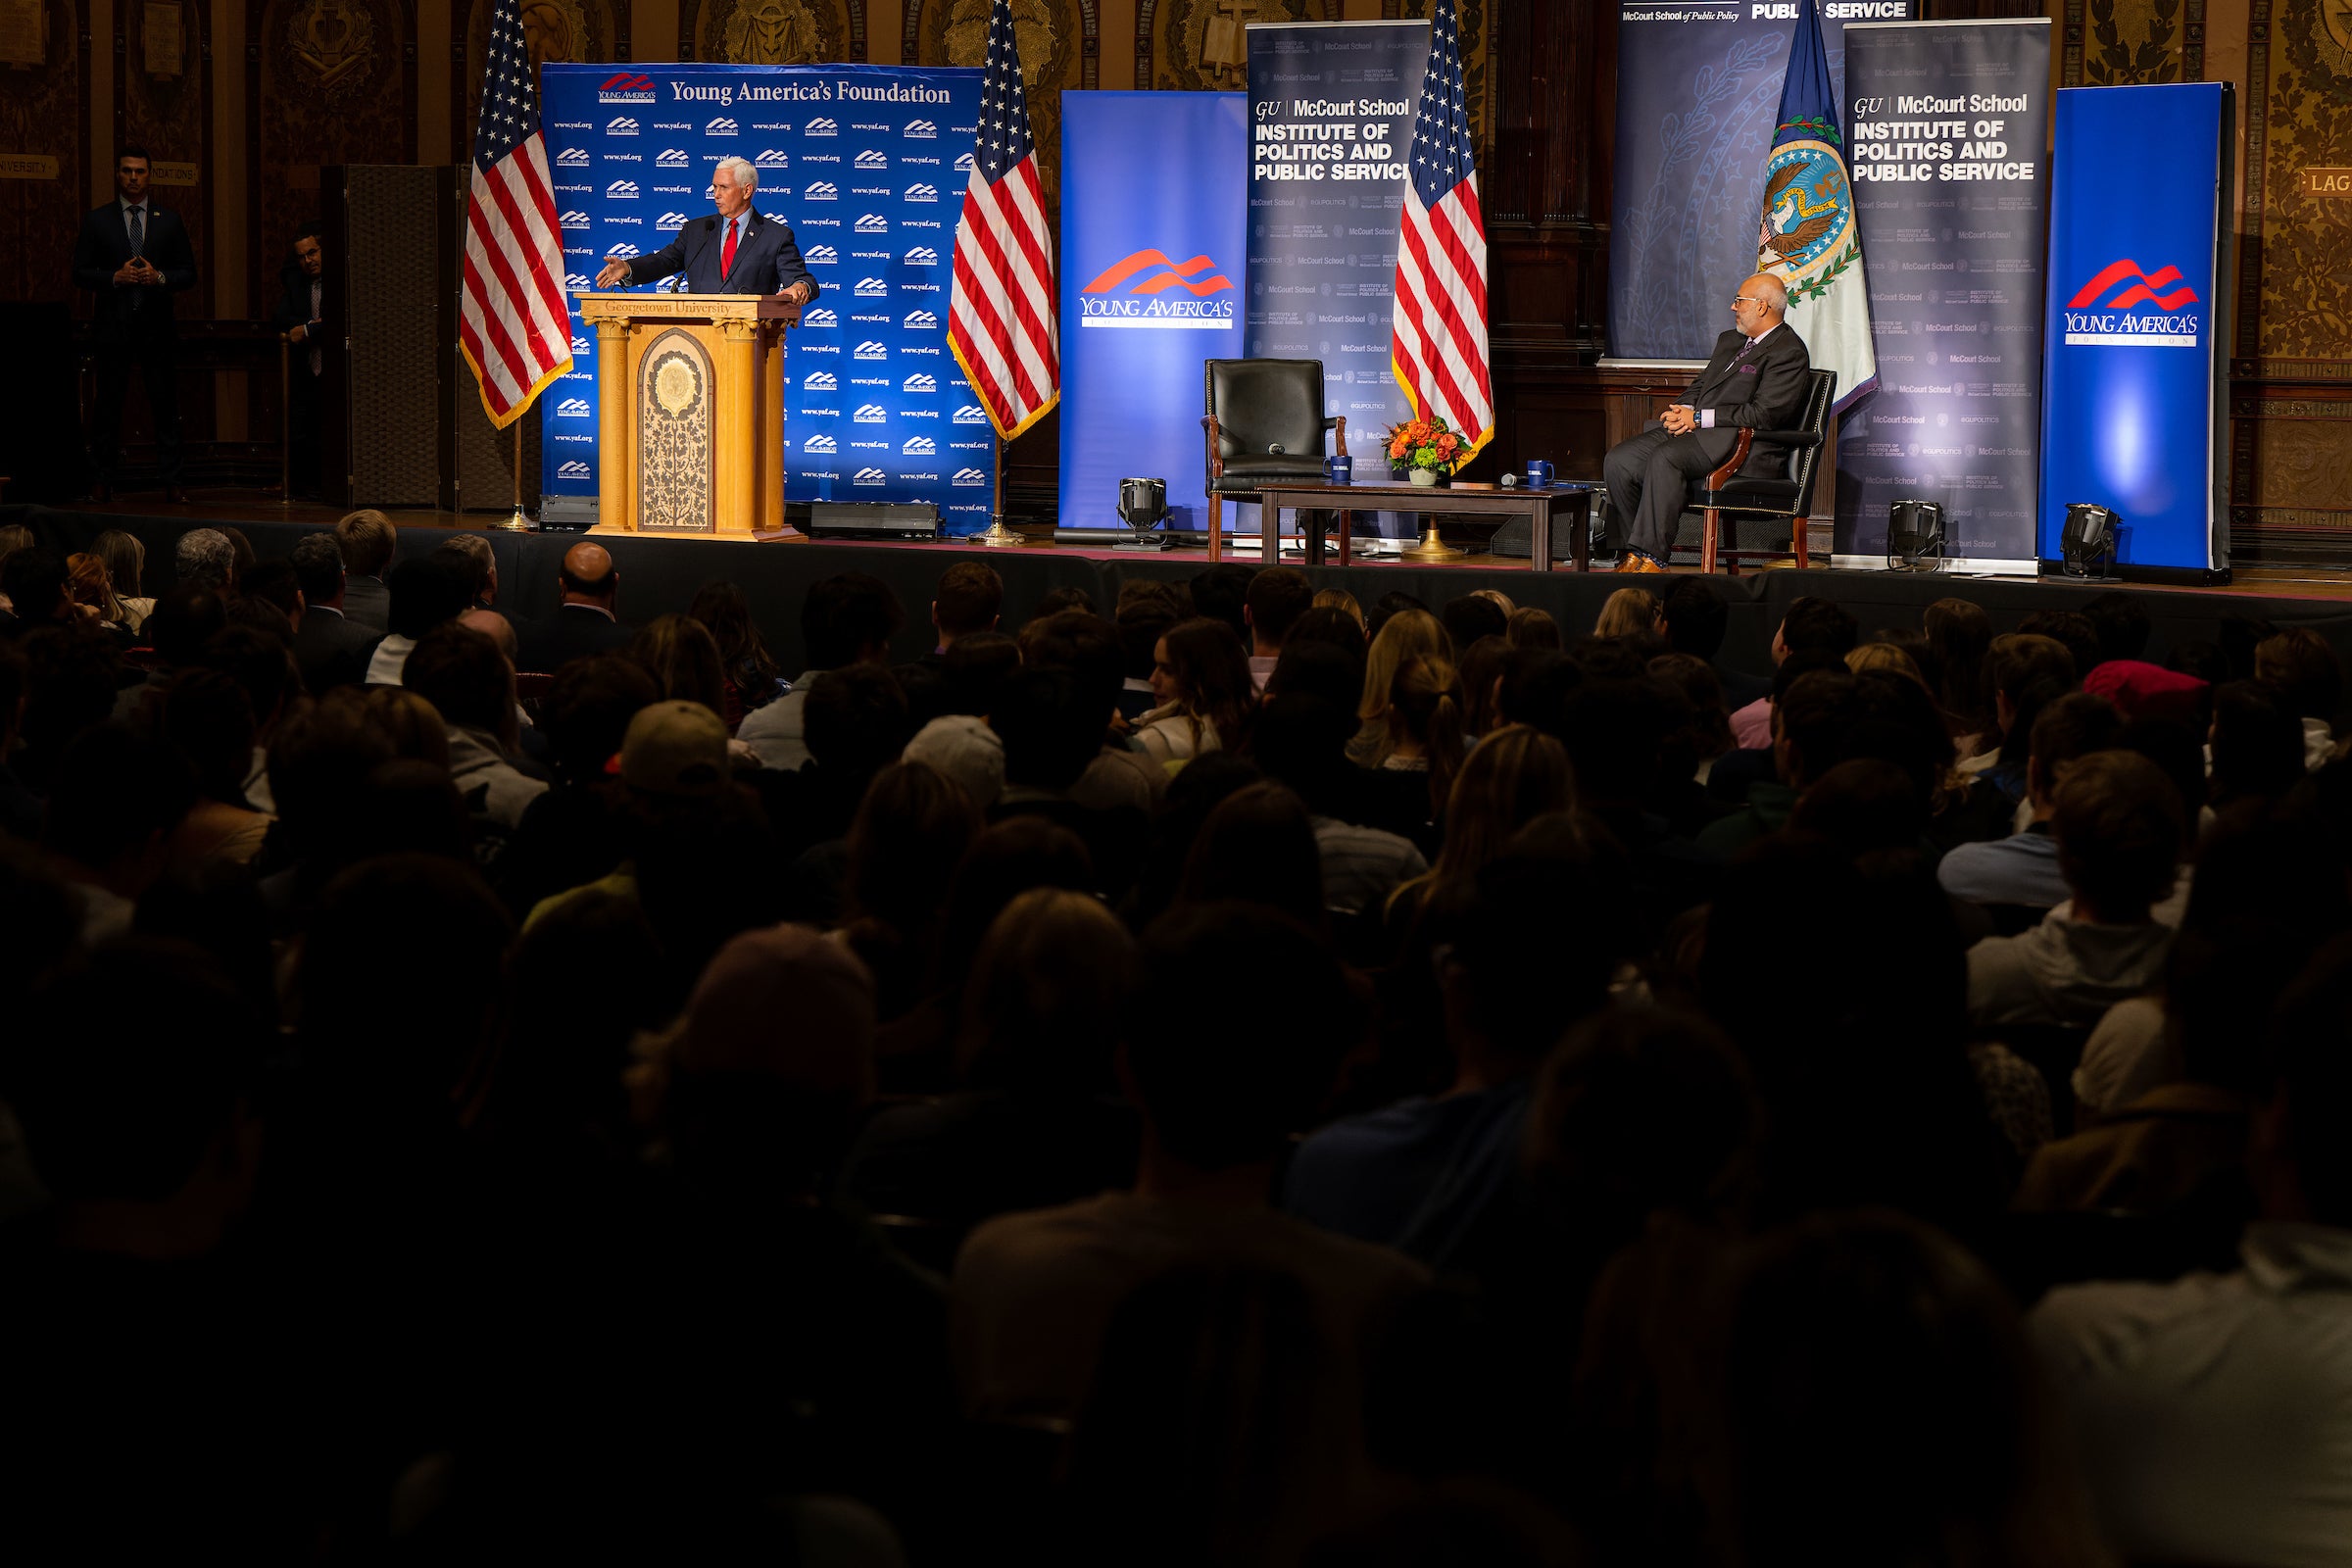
(690, 412)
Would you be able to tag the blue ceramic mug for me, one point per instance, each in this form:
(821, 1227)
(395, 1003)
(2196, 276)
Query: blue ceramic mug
(1538, 473)
(1339, 471)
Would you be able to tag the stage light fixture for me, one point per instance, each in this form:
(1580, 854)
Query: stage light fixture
(1914, 534)
(2087, 545)
(1143, 504)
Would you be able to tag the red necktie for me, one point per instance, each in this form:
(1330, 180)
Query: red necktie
(726, 255)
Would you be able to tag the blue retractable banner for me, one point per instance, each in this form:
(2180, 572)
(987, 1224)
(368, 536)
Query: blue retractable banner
(1699, 97)
(1154, 236)
(868, 165)
(2137, 322)
(1331, 116)
(1947, 122)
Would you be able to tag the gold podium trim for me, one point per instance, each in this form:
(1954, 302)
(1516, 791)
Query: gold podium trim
(738, 345)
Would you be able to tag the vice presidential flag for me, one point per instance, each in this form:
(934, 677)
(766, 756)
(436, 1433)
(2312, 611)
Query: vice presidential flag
(513, 326)
(1000, 319)
(1438, 332)
(1808, 238)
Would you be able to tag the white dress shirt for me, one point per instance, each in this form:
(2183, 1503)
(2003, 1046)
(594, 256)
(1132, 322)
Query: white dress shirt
(2214, 1414)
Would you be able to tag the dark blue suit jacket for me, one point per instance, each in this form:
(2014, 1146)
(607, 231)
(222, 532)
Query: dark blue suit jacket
(104, 244)
(766, 261)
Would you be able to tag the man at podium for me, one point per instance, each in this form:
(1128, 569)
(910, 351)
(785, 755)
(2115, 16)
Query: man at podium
(736, 250)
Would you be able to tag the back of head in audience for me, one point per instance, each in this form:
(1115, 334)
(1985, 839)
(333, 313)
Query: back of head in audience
(1222, 593)
(2257, 743)
(1257, 845)
(368, 541)
(855, 720)
(589, 575)
(463, 674)
(1042, 1011)
(1628, 612)
(2119, 831)
(682, 656)
(587, 712)
(1341, 599)
(2067, 729)
(2304, 669)
(1278, 595)
(2121, 624)
(1815, 624)
(1470, 617)
(317, 562)
(1405, 634)
(1481, 669)
(1051, 730)
(1510, 778)
(1210, 669)
(970, 598)
(205, 556)
(125, 561)
(2069, 629)
(413, 726)
(975, 667)
(1693, 618)
(472, 554)
(848, 619)
(1085, 646)
(427, 590)
(39, 584)
(1530, 627)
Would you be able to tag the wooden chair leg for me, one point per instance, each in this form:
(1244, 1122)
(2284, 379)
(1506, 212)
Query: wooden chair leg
(1216, 526)
(1803, 544)
(1347, 527)
(1706, 541)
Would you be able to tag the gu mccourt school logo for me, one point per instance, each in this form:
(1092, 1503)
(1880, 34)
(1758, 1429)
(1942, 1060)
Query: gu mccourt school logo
(1132, 292)
(628, 88)
(2124, 307)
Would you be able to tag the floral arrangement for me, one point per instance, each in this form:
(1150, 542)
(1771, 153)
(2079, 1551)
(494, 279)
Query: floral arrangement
(1427, 444)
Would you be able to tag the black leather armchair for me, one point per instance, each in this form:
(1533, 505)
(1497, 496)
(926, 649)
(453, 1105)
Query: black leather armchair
(1789, 496)
(1261, 420)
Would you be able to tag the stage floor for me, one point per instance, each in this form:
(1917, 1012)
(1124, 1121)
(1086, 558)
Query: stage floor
(241, 507)
(661, 575)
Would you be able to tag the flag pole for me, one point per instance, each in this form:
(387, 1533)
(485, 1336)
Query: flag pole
(998, 536)
(520, 521)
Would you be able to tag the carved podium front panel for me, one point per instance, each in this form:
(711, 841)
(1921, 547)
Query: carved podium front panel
(690, 421)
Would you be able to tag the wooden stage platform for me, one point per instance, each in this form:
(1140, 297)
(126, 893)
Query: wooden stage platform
(661, 575)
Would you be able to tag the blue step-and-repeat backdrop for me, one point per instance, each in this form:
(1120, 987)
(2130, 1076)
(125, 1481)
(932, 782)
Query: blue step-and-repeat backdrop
(867, 164)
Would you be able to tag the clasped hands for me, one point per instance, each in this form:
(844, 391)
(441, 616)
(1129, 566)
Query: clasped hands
(139, 273)
(1680, 419)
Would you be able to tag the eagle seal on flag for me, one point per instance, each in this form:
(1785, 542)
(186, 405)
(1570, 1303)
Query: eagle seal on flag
(1806, 236)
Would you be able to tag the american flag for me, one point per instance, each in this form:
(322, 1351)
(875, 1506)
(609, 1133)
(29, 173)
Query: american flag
(1001, 315)
(513, 326)
(1438, 341)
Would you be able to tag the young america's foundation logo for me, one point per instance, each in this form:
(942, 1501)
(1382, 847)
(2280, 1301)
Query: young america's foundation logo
(630, 87)
(2124, 307)
(1147, 289)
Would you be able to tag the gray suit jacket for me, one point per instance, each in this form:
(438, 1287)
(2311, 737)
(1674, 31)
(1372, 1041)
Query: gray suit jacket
(367, 603)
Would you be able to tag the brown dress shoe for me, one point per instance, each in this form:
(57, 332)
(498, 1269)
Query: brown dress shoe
(1629, 562)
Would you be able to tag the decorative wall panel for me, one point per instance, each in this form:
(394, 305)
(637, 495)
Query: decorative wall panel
(2128, 43)
(327, 81)
(44, 150)
(674, 476)
(1057, 50)
(163, 102)
(771, 33)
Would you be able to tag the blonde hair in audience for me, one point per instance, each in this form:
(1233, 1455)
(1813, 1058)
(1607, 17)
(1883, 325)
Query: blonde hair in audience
(1887, 657)
(1629, 612)
(1425, 707)
(1499, 597)
(1510, 778)
(410, 724)
(1340, 599)
(1530, 627)
(1408, 634)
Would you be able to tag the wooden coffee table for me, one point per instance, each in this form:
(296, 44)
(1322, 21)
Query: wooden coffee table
(1572, 501)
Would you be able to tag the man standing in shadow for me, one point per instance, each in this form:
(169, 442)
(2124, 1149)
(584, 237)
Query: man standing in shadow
(135, 256)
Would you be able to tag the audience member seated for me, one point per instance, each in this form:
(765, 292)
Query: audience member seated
(116, 802)
(971, 670)
(2119, 831)
(208, 721)
(332, 649)
(1811, 625)
(369, 542)
(573, 833)
(1200, 678)
(845, 620)
(970, 598)
(1278, 595)
(1222, 593)
(1301, 742)
(1470, 617)
(2258, 746)
(1034, 1294)
(1406, 633)
(469, 683)
(126, 575)
(1088, 648)
(586, 619)
(205, 556)
(1525, 963)
(2210, 1411)
(1530, 627)
(1810, 730)
(749, 675)
(1420, 750)
(426, 592)
(2022, 870)
(2303, 670)
(2022, 674)
(1036, 1119)
(1145, 614)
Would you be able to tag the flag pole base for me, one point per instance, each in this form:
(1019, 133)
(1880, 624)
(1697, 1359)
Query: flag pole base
(1430, 547)
(999, 537)
(519, 523)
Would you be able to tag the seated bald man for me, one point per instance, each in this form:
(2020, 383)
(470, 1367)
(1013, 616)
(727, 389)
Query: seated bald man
(583, 622)
(1756, 378)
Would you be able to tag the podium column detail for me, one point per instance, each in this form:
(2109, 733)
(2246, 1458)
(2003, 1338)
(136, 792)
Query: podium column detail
(615, 437)
(738, 450)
